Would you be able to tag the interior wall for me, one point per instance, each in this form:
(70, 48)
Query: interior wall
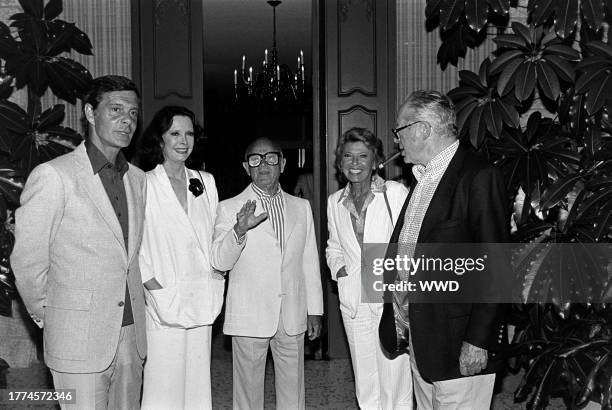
(107, 23)
(417, 49)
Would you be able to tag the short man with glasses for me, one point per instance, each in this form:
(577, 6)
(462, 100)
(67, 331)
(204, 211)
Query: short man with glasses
(455, 197)
(274, 294)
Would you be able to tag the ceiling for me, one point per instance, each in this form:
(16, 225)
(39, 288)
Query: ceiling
(233, 28)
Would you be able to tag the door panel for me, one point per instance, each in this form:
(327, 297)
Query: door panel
(359, 66)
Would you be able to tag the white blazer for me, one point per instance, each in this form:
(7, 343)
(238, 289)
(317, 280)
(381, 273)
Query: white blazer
(71, 264)
(263, 282)
(342, 246)
(176, 249)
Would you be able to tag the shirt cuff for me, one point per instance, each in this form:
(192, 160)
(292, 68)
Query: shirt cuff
(239, 240)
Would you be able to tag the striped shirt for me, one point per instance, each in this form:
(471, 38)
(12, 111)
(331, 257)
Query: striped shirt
(274, 205)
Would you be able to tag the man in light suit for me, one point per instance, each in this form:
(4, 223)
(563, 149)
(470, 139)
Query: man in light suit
(274, 294)
(455, 197)
(77, 236)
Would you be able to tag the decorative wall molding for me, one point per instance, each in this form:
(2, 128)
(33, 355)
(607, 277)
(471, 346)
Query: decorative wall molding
(164, 7)
(344, 9)
(356, 116)
(172, 49)
(357, 68)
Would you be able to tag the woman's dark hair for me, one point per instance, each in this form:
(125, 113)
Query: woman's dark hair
(356, 134)
(153, 136)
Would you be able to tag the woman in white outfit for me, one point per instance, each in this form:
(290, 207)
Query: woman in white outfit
(365, 211)
(183, 293)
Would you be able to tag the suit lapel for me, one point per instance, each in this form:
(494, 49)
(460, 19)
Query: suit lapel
(290, 216)
(96, 192)
(135, 206)
(439, 205)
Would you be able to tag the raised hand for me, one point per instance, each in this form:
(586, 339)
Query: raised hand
(246, 219)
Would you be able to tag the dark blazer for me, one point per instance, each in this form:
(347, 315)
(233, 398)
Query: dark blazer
(469, 206)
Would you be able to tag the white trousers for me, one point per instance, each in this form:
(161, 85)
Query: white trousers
(469, 393)
(249, 366)
(380, 383)
(116, 387)
(177, 370)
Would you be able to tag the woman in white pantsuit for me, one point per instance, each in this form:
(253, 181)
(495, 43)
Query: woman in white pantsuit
(183, 293)
(365, 211)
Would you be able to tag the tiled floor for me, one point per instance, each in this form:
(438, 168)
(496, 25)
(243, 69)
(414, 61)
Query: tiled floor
(329, 384)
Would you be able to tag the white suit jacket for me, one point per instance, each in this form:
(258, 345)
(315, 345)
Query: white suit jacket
(263, 282)
(176, 250)
(342, 246)
(71, 264)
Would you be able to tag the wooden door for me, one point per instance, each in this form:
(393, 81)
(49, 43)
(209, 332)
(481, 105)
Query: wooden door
(168, 54)
(359, 65)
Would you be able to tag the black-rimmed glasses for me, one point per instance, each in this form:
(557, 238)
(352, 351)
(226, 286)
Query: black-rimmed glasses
(270, 158)
(397, 130)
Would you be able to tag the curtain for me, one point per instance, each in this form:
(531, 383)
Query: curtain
(417, 49)
(108, 25)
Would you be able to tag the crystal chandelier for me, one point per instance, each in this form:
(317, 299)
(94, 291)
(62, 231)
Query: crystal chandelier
(272, 85)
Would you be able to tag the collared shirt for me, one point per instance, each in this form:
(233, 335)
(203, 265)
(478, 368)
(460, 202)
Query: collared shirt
(428, 177)
(274, 205)
(111, 176)
(377, 185)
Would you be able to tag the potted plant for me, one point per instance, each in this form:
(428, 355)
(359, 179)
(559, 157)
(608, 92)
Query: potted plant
(31, 53)
(558, 172)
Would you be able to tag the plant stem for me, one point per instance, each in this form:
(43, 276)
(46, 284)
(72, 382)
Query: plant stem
(34, 105)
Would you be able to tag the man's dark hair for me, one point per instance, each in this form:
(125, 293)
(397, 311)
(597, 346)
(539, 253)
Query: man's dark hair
(101, 85)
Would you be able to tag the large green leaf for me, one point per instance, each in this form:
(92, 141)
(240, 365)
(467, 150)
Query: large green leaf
(432, 9)
(510, 41)
(561, 66)
(493, 119)
(508, 113)
(562, 51)
(567, 15)
(525, 81)
(463, 115)
(51, 117)
(68, 79)
(500, 7)
(540, 10)
(504, 58)
(472, 80)
(13, 117)
(505, 82)
(32, 7)
(522, 31)
(593, 12)
(597, 96)
(61, 34)
(557, 191)
(477, 127)
(476, 12)
(450, 13)
(53, 9)
(600, 48)
(547, 80)
(8, 45)
(590, 79)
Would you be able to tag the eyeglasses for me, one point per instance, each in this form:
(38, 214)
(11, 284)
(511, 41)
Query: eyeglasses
(270, 158)
(397, 130)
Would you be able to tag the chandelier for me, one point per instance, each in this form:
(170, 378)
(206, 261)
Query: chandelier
(272, 85)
